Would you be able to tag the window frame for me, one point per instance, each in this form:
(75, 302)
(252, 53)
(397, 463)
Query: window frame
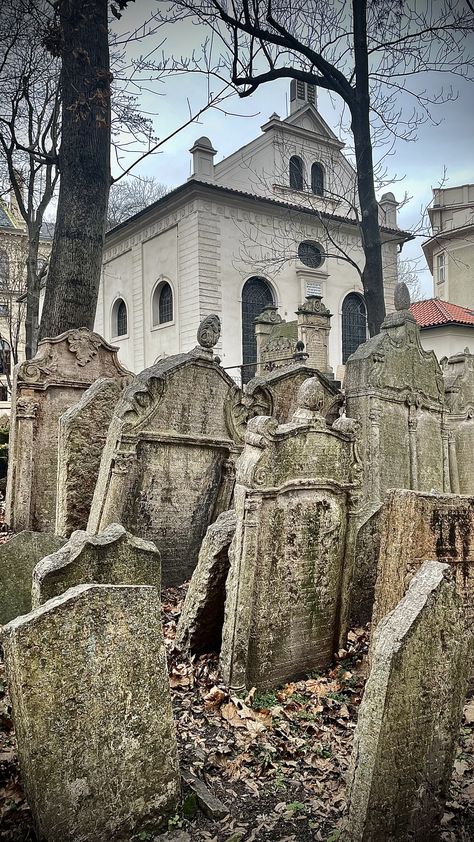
(115, 335)
(441, 265)
(352, 294)
(155, 296)
(320, 168)
(291, 172)
(317, 246)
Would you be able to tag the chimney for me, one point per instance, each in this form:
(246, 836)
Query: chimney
(302, 93)
(389, 206)
(203, 159)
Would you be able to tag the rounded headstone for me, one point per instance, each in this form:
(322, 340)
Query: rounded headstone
(401, 297)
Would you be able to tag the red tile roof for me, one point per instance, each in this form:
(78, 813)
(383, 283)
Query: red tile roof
(434, 311)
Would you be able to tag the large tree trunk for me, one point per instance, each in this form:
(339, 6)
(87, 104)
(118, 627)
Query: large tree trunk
(84, 162)
(372, 275)
(32, 295)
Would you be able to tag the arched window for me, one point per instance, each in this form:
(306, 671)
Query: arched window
(256, 295)
(162, 304)
(296, 173)
(354, 324)
(4, 268)
(5, 357)
(119, 318)
(317, 179)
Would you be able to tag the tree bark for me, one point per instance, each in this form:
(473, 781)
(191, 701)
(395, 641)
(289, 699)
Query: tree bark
(32, 295)
(72, 284)
(372, 275)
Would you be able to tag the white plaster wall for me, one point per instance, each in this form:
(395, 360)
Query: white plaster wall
(446, 341)
(117, 283)
(160, 263)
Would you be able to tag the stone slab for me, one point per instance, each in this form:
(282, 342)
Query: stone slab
(92, 712)
(18, 558)
(410, 715)
(111, 558)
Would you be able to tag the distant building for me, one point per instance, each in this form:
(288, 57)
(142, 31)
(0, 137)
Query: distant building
(446, 328)
(450, 249)
(268, 226)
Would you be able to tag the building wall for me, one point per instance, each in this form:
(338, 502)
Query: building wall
(452, 223)
(447, 341)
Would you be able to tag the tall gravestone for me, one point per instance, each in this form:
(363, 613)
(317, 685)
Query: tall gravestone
(415, 526)
(410, 716)
(43, 389)
(292, 553)
(458, 373)
(92, 713)
(167, 470)
(18, 557)
(82, 434)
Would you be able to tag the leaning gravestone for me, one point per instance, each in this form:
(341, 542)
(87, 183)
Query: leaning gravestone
(82, 434)
(112, 558)
(415, 526)
(43, 389)
(18, 557)
(92, 712)
(410, 715)
(200, 624)
(293, 547)
(167, 469)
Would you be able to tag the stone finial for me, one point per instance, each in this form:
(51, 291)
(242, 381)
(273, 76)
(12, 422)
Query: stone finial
(209, 331)
(401, 297)
(309, 394)
(269, 315)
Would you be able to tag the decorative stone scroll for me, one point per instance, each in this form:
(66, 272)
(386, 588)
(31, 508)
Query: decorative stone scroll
(82, 434)
(292, 554)
(92, 711)
(416, 526)
(43, 389)
(167, 470)
(394, 389)
(410, 715)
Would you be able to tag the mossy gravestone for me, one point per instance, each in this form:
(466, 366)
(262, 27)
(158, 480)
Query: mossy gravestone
(410, 715)
(18, 557)
(92, 713)
(112, 558)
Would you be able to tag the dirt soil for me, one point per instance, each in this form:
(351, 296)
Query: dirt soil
(277, 760)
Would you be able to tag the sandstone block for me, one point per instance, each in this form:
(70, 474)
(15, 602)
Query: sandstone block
(200, 624)
(18, 557)
(92, 712)
(410, 715)
(112, 558)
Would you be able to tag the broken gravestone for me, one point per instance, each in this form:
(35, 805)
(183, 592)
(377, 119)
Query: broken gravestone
(200, 624)
(111, 558)
(43, 389)
(415, 526)
(82, 434)
(18, 557)
(292, 554)
(92, 713)
(410, 715)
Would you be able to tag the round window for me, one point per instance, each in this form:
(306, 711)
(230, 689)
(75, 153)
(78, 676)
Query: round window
(311, 254)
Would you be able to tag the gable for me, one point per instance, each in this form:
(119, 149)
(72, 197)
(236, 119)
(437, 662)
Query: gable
(308, 119)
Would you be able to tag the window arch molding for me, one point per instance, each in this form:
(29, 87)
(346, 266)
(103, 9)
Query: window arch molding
(353, 323)
(317, 178)
(119, 319)
(163, 303)
(296, 173)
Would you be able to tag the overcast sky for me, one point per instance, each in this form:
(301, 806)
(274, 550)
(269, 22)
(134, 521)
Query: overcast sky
(444, 150)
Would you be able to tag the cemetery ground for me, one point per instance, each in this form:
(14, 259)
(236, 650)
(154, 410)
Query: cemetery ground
(278, 760)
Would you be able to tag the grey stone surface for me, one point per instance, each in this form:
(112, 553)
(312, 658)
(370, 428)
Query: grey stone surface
(18, 557)
(43, 389)
(410, 715)
(200, 624)
(114, 557)
(415, 526)
(92, 712)
(287, 585)
(168, 466)
(458, 373)
(82, 434)
(362, 592)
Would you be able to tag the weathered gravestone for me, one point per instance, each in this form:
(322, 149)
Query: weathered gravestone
(415, 526)
(410, 716)
(43, 389)
(92, 712)
(280, 388)
(82, 434)
(394, 389)
(168, 465)
(458, 373)
(112, 558)
(293, 548)
(18, 557)
(367, 550)
(202, 617)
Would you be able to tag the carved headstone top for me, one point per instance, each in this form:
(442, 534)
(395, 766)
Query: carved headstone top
(269, 315)
(401, 297)
(310, 394)
(209, 331)
(314, 304)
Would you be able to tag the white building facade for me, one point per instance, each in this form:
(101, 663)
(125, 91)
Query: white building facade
(272, 223)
